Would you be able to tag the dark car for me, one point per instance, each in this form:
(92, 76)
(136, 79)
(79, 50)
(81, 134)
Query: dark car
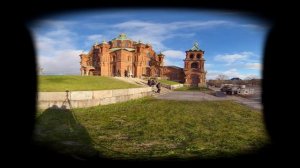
(225, 88)
(230, 90)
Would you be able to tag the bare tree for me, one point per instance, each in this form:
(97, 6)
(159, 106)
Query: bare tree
(252, 79)
(222, 77)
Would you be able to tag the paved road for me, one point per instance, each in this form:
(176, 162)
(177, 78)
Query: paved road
(199, 96)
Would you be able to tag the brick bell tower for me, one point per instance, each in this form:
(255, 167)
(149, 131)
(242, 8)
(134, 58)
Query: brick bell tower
(195, 74)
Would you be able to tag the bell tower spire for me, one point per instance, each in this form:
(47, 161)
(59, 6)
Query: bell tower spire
(195, 74)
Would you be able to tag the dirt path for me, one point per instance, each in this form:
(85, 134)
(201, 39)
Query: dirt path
(199, 96)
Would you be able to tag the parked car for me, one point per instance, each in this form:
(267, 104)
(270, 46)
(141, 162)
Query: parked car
(230, 89)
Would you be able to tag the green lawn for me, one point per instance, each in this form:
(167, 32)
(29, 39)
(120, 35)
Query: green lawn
(168, 82)
(75, 83)
(148, 128)
(186, 88)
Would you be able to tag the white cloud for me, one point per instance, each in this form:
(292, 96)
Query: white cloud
(46, 44)
(174, 57)
(251, 76)
(96, 26)
(231, 73)
(171, 26)
(136, 24)
(254, 26)
(59, 33)
(232, 58)
(199, 24)
(61, 62)
(92, 39)
(55, 40)
(173, 63)
(55, 48)
(174, 54)
(208, 65)
(167, 62)
(256, 66)
(156, 33)
(95, 37)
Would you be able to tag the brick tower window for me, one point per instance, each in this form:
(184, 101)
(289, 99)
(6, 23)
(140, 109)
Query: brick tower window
(194, 65)
(198, 56)
(191, 56)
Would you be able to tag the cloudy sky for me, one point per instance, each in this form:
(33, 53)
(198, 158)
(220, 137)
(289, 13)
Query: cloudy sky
(233, 42)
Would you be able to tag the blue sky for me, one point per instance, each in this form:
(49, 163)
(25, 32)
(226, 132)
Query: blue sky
(233, 42)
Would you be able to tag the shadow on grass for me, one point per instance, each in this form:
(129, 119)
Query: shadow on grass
(58, 131)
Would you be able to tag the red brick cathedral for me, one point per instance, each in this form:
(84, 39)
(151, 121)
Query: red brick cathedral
(124, 57)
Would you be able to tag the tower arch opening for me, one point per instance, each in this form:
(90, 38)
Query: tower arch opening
(194, 65)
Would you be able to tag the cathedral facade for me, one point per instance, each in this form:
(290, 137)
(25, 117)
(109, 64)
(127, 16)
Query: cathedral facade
(127, 58)
(121, 57)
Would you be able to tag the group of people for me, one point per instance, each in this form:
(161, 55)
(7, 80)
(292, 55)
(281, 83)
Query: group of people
(128, 73)
(152, 83)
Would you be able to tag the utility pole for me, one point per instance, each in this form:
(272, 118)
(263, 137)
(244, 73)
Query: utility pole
(41, 71)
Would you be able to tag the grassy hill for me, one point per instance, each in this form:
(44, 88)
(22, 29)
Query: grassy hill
(58, 83)
(168, 82)
(149, 128)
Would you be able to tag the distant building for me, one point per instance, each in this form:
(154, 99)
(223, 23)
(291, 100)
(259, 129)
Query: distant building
(124, 57)
(235, 79)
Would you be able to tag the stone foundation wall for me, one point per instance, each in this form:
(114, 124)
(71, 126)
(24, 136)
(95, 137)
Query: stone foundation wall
(171, 87)
(80, 99)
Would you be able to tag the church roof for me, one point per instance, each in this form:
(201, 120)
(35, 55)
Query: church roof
(128, 49)
(175, 67)
(104, 42)
(122, 36)
(195, 47)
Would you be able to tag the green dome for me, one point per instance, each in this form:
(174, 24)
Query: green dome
(195, 47)
(104, 42)
(122, 36)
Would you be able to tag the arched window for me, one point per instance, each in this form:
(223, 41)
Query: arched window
(194, 65)
(198, 56)
(127, 44)
(191, 56)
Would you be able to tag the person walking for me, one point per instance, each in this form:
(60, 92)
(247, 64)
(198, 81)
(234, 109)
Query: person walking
(126, 73)
(158, 85)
